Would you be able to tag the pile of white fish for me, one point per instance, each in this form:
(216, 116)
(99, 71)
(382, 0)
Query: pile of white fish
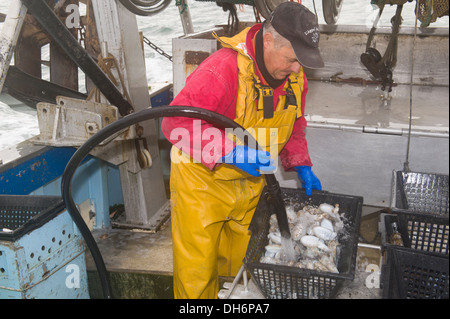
(314, 232)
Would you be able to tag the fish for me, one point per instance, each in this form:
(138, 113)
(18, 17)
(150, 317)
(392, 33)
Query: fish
(314, 234)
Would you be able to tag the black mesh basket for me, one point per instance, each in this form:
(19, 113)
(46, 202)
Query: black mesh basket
(419, 231)
(412, 274)
(285, 282)
(20, 214)
(420, 192)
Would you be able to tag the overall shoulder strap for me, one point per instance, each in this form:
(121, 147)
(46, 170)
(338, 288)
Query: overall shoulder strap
(265, 98)
(294, 96)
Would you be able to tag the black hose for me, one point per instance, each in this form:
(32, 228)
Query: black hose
(115, 127)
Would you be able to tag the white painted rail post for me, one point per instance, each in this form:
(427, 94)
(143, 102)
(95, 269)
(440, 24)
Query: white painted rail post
(143, 189)
(9, 35)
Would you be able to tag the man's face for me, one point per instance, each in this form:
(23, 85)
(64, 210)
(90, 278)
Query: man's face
(280, 61)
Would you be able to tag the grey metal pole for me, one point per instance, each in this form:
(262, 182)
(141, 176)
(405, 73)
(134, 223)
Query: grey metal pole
(185, 16)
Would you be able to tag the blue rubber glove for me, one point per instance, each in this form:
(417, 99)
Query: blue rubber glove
(308, 179)
(251, 161)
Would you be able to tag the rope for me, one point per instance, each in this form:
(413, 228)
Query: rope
(374, 27)
(406, 164)
(106, 64)
(315, 10)
(390, 56)
(257, 15)
(233, 20)
(387, 62)
(182, 4)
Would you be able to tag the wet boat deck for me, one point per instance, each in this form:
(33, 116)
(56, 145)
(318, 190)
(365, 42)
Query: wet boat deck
(366, 105)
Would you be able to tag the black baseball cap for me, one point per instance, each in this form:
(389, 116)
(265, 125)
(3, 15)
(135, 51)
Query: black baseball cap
(297, 24)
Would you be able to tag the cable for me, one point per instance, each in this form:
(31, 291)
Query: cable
(406, 164)
(133, 118)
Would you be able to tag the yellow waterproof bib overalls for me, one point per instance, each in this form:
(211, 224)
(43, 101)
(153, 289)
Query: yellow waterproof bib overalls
(211, 210)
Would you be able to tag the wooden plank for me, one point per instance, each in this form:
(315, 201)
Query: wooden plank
(27, 55)
(63, 70)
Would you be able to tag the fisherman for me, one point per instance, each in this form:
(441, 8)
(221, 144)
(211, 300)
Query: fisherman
(257, 80)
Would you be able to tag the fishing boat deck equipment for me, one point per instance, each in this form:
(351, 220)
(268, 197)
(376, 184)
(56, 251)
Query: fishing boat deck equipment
(357, 133)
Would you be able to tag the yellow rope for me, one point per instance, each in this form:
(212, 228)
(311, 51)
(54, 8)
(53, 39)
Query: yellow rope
(107, 64)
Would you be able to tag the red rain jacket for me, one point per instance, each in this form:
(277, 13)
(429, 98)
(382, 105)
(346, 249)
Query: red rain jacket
(214, 86)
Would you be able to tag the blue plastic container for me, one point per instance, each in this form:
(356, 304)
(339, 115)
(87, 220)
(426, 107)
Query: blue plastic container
(42, 253)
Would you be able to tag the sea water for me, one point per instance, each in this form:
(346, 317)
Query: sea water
(18, 122)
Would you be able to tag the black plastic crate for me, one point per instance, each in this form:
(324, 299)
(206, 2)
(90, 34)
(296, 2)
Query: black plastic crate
(412, 274)
(283, 282)
(420, 192)
(419, 231)
(20, 214)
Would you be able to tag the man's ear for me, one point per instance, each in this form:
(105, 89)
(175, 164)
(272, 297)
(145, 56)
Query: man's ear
(268, 40)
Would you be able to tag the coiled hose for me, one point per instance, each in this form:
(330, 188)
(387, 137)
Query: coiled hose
(114, 128)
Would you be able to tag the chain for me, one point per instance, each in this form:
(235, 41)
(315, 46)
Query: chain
(157, 49)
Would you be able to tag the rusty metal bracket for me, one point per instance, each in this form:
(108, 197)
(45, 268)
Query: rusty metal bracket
(195, 57)
(71, 121)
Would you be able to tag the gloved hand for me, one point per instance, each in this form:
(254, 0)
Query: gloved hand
(308, 179)
(249, 160)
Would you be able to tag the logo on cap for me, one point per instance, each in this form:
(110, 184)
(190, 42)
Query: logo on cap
(315, 34)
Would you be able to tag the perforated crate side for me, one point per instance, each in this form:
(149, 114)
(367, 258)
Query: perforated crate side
(426, 233)
(420, 231)
(280, 282)
(412, 274)
(283, 282)
(24, 213)
(420, 192)
(33, 264)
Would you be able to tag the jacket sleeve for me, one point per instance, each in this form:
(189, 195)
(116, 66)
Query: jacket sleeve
(295, 152)
(210, 88)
